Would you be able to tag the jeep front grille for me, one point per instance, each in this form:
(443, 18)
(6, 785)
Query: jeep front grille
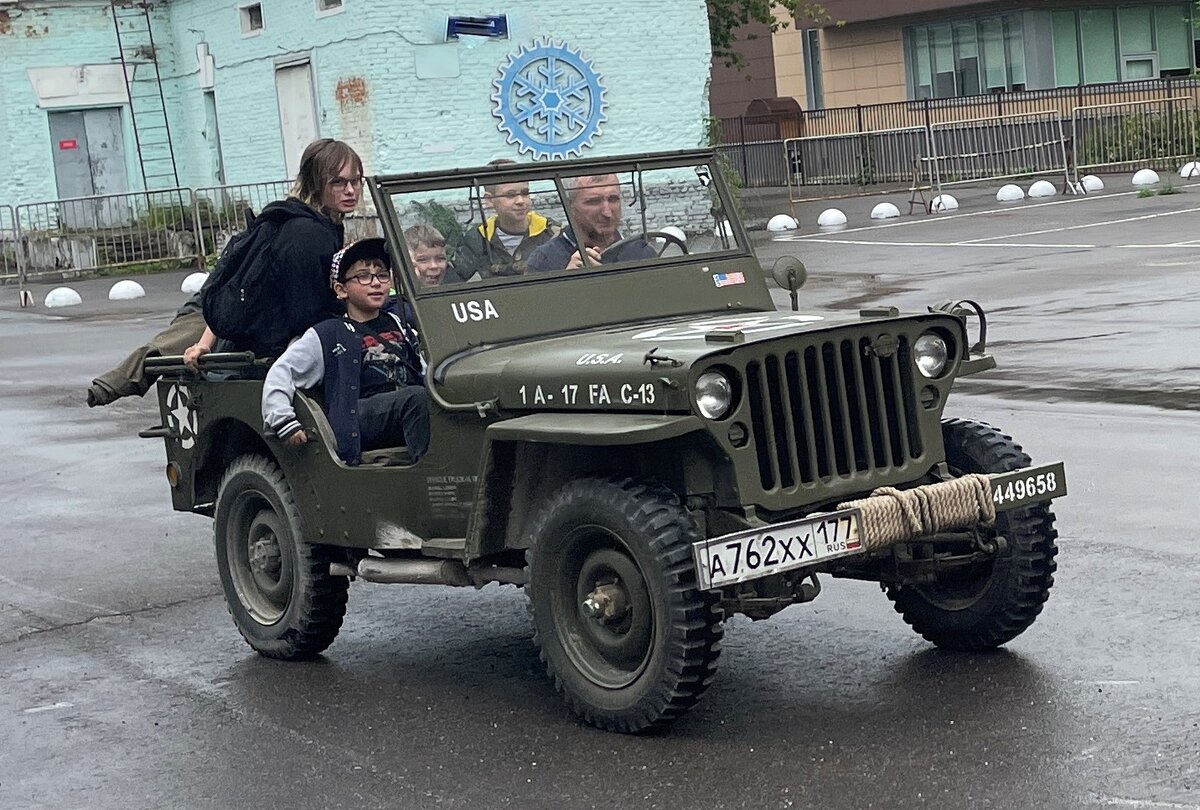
(832, 410)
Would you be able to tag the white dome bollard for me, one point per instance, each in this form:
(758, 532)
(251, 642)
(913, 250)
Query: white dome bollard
(192, 284)
(126, 290)
(885, 210)
(1091, 182)
(831, 218)
(1145, 177)
(782, 222)
(1190, 170)
(1042, 188)
(62, 297)
(1010, 193)
(943, 202)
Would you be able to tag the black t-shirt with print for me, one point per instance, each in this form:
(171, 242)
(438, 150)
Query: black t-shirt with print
(389, 363)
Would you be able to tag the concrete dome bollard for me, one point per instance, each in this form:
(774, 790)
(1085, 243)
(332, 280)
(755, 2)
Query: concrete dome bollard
(126, 290)
(831, 218)
(1042, 188)
(1010, 193)
(192, 284)
(1145, 177)
(1091, 182)
(885, 210)
(782, 222)
(62, 297)
(943, 202)
(1190, 170)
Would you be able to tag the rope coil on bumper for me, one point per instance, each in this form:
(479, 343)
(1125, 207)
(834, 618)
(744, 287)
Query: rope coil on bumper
(892, 515)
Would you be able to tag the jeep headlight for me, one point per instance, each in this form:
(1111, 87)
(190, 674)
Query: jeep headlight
(714, 394)
(931, 353)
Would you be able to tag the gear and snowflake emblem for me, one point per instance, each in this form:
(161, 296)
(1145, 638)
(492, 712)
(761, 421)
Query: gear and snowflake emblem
(550, 100)
(181, 417)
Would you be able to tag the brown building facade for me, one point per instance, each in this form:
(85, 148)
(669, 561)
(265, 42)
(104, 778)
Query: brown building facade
(901, 50)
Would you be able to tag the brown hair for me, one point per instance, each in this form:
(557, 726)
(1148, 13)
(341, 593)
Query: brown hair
(426, 235)
(491, 188)
(320, 163)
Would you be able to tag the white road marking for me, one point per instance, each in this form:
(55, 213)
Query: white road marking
(49, 708)
(1100, 224)
(1113, 801)
(1035, 245)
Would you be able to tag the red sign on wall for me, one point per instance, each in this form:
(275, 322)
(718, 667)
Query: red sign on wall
(70, 143)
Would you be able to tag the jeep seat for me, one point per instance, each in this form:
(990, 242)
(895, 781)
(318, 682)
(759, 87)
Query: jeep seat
(386, 457)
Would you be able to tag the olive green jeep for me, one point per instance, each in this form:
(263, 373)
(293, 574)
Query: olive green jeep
(645, 445)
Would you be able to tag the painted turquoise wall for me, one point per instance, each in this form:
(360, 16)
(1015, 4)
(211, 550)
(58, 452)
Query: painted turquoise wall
(364, 59)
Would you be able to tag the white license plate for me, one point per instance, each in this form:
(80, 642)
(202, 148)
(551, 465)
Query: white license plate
(770, 550)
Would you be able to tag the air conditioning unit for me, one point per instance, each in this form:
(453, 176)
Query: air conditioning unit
(494, 26)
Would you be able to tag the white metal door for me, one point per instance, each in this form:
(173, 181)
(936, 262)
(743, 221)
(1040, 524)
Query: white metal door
(297, 112)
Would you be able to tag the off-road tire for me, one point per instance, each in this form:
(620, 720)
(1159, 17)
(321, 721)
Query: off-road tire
(987, 605)
(292, 614)
(597, 525)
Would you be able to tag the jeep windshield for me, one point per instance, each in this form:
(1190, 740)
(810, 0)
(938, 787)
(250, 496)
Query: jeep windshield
(518, 251)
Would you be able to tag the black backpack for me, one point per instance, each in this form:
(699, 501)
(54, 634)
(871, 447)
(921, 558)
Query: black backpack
(242, 298)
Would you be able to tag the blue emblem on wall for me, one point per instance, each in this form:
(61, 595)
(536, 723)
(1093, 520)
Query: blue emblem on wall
(550, 100)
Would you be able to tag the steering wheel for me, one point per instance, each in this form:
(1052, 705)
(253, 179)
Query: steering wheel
(668, 240)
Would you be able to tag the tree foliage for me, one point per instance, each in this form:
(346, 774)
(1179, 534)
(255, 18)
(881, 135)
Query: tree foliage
(727, 17)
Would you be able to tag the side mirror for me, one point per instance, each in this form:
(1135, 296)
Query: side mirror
(789, 273)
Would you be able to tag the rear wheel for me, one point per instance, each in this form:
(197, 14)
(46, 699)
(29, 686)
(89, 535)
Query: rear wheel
(989, 603)
(625, 635)
(277, 586)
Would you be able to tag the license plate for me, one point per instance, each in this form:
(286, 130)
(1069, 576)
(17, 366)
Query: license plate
(755, 553)
(1031, 485)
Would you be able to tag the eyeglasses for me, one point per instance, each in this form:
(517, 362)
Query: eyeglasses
(343, 182)
(367, 279)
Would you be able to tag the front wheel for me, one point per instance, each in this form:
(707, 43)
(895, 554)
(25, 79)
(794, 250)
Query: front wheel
(277, 586)
(623, 631)
(989, 603)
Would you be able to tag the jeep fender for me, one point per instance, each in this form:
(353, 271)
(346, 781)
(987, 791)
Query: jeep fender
(527, 456)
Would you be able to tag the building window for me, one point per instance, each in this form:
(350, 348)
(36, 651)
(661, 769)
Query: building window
(252, 19)
(814, 86)
(965, 57)
(327, 7)
(1127, 43)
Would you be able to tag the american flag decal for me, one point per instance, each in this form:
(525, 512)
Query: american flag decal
(727, 279)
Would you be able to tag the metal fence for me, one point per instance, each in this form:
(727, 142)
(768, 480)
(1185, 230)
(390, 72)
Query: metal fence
(1018, 145)
(9, 245)
(222, 211)
(1130, 134)
(66, 237)
(748, 142)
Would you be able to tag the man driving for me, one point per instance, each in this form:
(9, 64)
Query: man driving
(595, 206)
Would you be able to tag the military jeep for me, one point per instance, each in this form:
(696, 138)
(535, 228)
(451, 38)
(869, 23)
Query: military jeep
(644, 445)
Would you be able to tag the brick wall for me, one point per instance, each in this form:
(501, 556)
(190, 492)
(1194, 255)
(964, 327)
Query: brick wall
(655, 65)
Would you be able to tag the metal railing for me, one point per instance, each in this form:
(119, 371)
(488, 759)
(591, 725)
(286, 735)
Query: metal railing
(1131, 134)
(10, 264)
(747, 142)
(1017, 145)
(221, 211)
(67, 237)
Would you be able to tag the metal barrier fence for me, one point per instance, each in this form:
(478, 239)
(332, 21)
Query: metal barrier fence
(757, 164)
(66, 237)
(1131, 134)
(221, 211)
(10, 264)
(1019, 145)
(870, 162)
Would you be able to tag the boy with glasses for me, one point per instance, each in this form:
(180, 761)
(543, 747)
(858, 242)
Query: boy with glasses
(502, 244)
(367, 363)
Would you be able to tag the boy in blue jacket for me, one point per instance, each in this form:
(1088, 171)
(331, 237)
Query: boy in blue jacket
(367, 363)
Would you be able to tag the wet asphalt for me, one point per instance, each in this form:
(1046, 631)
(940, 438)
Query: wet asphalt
(123, 683)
